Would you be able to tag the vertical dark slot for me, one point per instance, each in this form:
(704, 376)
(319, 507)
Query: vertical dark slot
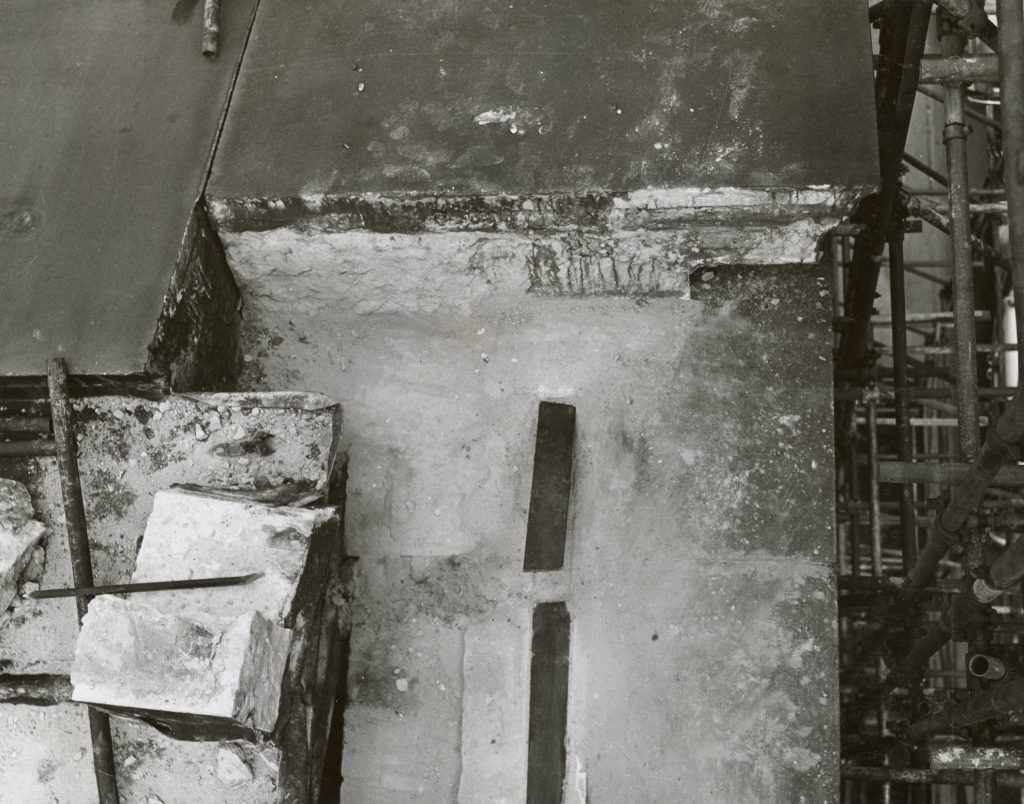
(552, 483)
(549, 696)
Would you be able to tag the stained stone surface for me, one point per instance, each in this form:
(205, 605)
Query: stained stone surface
(132, 656)
(19, 535)
(219, 651)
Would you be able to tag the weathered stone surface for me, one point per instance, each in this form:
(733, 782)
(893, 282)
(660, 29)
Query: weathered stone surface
(703, 480)
(366, 273)
(523, 97)
(194, 536)
(131, 656)
(403, 746)
(212, 652)
(129, 448)
(19, 535)
(495, 709)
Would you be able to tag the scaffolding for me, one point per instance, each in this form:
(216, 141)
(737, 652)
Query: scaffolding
(930, 424)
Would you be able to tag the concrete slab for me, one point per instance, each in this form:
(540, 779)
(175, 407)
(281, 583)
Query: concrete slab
(402, 722)
(108, 113)
(703, 479)
(717, 678)
(495, 708)
(535, 97)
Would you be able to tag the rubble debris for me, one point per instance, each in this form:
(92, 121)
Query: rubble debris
(20, 533)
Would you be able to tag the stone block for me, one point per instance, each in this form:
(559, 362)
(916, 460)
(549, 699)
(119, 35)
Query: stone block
(210, 662)
(132, 655)
(19, 535)
(190, 535)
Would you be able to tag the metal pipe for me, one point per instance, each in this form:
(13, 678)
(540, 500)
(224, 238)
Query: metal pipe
(972, 18)
(35, 690)
(927, 170)
(873, 490)
(983, 68)
(981, 706)
(24, 424)
(981, 665)
(1000, 440)
(901, 43)
(1011, 96)
(211, 27)
(904, 439)
(919, 208)
(928, 318)
(37, 448)
(946, 474)
(1008, 779)
(854, 501)
(81, 560)
(954, 135)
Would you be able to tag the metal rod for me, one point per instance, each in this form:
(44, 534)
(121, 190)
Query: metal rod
(927, 170)
(901, 43)
(211, 27)
(854, 501)
(945, 69)
(981, 706)
(81, 560)
(1011, 96)
(34, 690)
(972, 18)
(928, 318)
(37, 448)
(904, 438)
(955, 137)
(147, 586)
(926, 776)
(947, 474)
(24, 424)
(875, 510)
(920, 208)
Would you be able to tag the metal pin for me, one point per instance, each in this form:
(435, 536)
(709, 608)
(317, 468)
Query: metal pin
(149, 586)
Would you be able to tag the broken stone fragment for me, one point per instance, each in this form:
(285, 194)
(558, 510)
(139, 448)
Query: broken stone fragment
(231, 768)
(132, 657)
(19, 535)
(209, 663)
(192, 535)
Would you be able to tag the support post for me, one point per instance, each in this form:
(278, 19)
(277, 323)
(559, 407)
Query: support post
(81, 560)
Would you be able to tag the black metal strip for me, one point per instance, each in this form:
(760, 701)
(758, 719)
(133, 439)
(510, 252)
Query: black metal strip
(549, 698)
(552, 484)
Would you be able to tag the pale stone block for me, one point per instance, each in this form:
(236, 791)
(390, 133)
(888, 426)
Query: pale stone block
(188, 655)
(131, 656)
(495, 709)
(19, 535)
(193, 536)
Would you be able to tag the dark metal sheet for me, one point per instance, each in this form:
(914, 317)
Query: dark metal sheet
(552, 486)
(549, 695)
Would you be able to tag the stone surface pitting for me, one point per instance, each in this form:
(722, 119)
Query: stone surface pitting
(703, 482)
(20, 533)
(194, 536)
(131, 448)
(217, 652)
(133, 656)
(495, 708)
